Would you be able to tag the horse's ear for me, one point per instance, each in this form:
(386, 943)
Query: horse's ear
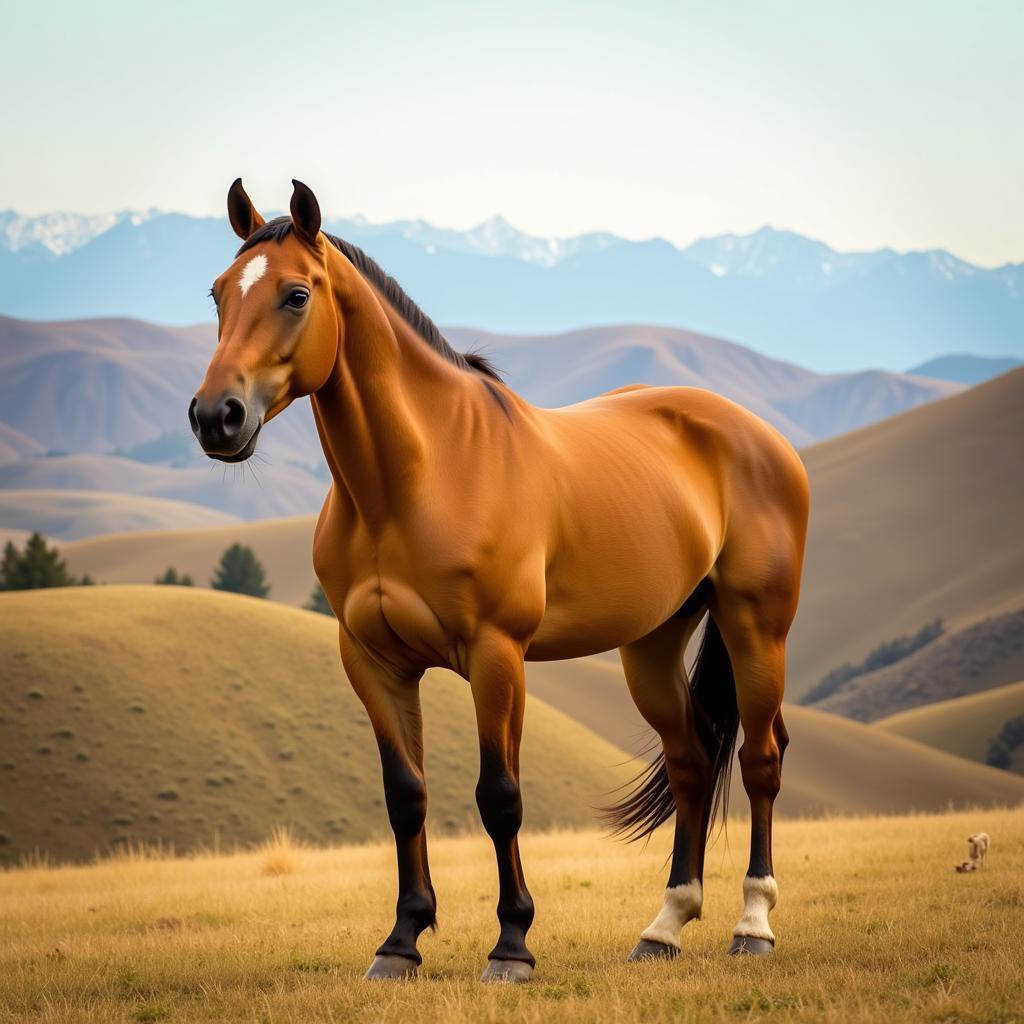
(243, 215)
(305, 212)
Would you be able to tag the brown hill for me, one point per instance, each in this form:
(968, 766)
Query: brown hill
(54, 377)
(110, 384)
(283, 546)
(261, 490)
(559, 369)
(68, 515)
(165, 714)
(964, 726)
(912, 518)
(978, 657)
(833, 765)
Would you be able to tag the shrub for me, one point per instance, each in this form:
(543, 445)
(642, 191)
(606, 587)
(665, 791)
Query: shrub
(171, 578)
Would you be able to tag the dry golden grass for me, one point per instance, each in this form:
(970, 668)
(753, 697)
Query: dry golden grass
(872, 924)
(280, 852)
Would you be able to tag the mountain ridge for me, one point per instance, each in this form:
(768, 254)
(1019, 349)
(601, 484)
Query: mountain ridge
(789, 296)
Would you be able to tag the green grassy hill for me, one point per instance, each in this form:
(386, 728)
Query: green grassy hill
(166, 714)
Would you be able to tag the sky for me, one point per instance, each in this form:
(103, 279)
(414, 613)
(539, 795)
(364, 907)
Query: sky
(863, 123)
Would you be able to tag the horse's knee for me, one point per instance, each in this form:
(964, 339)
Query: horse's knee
(405, 793)
(500, 802)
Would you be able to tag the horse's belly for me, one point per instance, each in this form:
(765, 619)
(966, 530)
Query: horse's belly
(598, 610)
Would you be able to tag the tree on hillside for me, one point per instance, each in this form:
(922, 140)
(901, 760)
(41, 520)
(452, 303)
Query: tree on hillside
(240, 572)
(39, 565)
(171, 578)
(1003, 746)
(318, 601)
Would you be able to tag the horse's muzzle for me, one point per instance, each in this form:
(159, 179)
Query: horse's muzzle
(225, 428)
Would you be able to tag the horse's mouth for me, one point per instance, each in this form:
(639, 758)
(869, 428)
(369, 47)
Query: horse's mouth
(243, 453)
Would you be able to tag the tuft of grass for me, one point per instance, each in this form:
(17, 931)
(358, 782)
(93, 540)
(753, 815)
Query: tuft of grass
(280, 853)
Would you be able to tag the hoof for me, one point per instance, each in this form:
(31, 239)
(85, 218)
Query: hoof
(388, 966)
(747, 945)
(515, 972)
(648, 949)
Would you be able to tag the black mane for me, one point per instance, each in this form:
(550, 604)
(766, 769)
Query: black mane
(281, 227)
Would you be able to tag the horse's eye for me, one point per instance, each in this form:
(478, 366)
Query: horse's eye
(297, 299)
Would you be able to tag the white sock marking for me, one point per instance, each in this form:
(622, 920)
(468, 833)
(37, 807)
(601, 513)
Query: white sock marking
(759, 896)
(253, 271)
(682, 904)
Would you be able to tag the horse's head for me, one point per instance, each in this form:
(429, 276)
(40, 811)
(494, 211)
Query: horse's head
(278, 325)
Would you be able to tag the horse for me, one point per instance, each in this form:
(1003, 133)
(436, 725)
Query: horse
(468, 529)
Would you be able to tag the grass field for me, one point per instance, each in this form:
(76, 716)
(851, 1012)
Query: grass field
(872, 925)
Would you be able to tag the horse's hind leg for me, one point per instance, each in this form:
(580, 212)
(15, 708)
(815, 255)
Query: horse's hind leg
(683, 783)
(754, 630)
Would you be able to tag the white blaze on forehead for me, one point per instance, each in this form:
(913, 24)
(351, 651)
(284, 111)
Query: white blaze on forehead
(252, 272)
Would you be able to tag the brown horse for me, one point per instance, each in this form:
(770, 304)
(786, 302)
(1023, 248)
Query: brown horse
(466, 528)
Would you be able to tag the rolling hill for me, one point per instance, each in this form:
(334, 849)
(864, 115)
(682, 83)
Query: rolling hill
(69, 515)
(912, 518)
(54, 377)
(978, 657)
(791, 297)
(165, 714)
(261, 490)
(177, 715)
(110, 385)
(283, 546)
(833, 765)
(560, 369)
(963, 726)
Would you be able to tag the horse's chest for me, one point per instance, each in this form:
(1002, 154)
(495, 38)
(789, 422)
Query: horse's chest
(394, 619)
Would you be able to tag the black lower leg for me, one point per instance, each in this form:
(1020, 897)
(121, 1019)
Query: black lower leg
(406, 796)
(691, 784)
(501, 810)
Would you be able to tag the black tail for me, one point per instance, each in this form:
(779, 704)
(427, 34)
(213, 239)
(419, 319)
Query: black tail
(713, 693)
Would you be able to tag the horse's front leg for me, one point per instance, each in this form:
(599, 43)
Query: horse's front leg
(496, 678)
(393, 704)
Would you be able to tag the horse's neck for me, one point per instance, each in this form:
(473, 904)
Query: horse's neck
(374, 412)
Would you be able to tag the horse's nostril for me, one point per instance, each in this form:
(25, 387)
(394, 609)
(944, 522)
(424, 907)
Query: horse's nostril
(234, 416)
(192, 418)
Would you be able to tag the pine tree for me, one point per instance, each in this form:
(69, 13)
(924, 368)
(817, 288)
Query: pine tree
(318, 601)
(37, 566)
(171, 578)
(240, 572)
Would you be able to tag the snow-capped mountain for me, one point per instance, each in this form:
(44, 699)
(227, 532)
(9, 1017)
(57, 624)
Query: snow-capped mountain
(788, 296)
(62, 233)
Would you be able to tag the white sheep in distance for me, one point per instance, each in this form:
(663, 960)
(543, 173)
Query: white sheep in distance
(977, 847)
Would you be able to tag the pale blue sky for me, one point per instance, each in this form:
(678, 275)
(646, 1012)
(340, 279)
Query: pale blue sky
(862, 123)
